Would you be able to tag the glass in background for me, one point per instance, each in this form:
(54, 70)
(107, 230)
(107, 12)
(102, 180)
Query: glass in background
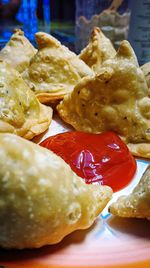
(112, 16)
(139, 32)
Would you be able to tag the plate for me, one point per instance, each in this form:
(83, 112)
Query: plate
(111, 242)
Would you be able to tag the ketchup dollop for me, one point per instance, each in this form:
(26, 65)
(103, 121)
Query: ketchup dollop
(102, 158)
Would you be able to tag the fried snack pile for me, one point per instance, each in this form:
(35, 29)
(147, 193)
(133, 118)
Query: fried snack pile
(20, 111)
(137, 204)
(114, 99)
(98, 50)
(41, 198)
(18, 51)
(54, 70)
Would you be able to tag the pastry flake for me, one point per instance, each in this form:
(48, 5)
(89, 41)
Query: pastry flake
(98, 50)
(114, 99)
(18, 51)
(137, 204)
(41, 198)
(20, 111)
(54, 70)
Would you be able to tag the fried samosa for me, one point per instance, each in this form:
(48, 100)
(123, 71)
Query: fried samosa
(98, 50)
(20, 111)
(18, 51)
(54, 70)
(41, 198)
(115, 99)
(146, 69)
(137, 204)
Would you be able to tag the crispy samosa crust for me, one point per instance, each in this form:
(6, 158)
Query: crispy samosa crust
(146, 70)
(117, 99)
(137, 204)
(41, 198)
(54, 70)
(98, 50)
(20, 111)
(18, 51)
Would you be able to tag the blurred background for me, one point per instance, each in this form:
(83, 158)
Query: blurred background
(71, 21)
(55, 16)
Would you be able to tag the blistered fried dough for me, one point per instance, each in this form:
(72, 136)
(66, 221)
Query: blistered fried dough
(54, 70)
(115, 99)
(98, 50)
(146, 69)
(42, 199)
(20, 111)
(137, 204)
(18, 51)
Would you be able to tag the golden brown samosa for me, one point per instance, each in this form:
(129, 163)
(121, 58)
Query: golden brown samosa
(54, 70)
(137, 203)
(41, 198)
(20, 111)
(146, 69)
(18, 51)
(98, 50)
(115, 99)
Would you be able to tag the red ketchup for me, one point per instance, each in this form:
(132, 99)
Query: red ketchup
(102, 158)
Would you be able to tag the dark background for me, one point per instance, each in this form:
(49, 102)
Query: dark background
(62, 10)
